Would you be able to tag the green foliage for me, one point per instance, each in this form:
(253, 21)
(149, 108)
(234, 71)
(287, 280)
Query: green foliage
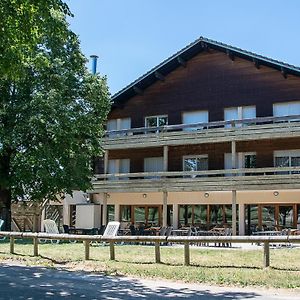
(52, 109)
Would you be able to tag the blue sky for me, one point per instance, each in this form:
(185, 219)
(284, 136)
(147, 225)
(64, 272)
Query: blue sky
(133, 36)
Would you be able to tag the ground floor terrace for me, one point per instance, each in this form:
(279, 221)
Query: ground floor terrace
(246, 212)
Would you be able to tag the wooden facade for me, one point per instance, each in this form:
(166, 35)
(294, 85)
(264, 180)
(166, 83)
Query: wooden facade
(215, 77)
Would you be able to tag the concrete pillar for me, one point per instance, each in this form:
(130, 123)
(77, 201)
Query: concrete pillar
(175, 215)
(234, 212)
(233, 154)
(241, 219)
(165, 209)
(117, 212)
(106, 162)
(166, 149)
(104, 210)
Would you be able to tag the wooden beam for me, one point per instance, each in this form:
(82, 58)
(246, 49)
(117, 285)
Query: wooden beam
(138, 90)
(159, 76)
(181, 61)
(256, 63)
(284, 72)
(230, 54)
(203, 45)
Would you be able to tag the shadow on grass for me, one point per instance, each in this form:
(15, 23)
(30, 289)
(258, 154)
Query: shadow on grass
(19, 282)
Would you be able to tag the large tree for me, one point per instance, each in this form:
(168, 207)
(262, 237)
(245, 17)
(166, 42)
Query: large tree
(52, 109)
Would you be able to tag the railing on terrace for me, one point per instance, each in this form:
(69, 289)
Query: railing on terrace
(198, 174)
(203, 126)
(157, 241)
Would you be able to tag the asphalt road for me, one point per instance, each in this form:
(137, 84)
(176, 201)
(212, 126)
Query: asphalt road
(21, 282)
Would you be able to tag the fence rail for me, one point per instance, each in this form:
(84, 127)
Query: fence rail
(157, 240)
(206, 125)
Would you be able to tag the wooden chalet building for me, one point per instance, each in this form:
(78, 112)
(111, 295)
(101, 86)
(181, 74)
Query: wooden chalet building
(211, 136)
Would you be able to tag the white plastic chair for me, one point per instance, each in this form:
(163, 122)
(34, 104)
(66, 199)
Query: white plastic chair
(50, 227)
(1, 224)
(111, 229)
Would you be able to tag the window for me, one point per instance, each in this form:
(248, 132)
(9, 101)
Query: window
(193, 215)
(195, 163)
(289, 158)
(154, 164)
(286, 109)
(239, 113)
(110, 213)
(156, 121)
(125, 213)
(118, 124)
(242, 160)
(116, 166)
(194, 117)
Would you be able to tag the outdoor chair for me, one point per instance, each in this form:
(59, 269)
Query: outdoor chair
(51, 228)
(111, 230)
(162, 231)
(1, 225)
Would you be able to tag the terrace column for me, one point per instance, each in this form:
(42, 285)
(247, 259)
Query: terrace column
(241, 219)
(233, 164)
(175, 216)
(117, 212)
(166, 149)
(234, 212)
(165, 209)
(106, 162)
(104, 210)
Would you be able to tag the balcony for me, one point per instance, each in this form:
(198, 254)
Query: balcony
(211, 180)
(200, 133)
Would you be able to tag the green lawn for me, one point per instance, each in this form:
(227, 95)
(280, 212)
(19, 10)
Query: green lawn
(221, 266)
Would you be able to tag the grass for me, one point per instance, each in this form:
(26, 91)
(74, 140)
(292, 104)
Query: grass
(214, 266)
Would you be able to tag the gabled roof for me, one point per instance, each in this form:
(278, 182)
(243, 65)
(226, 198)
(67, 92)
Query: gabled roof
(182, 56)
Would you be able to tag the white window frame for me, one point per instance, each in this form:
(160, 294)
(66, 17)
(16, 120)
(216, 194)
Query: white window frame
(195, 112)
(239, 113)
(286, 153)
(195, 157)
(239, 159)
(119, 127)
(161, 170)
(289, 114)
(157, 118)
(117, 167)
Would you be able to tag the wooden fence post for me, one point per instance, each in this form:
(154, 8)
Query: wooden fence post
(112, 250)
(87, 250)
(186, 254)
(12, 245)
(266, 254)
(35, 246)
(157, 253)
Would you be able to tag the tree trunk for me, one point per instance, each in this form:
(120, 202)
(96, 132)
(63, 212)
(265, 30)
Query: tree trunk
(5, 208)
